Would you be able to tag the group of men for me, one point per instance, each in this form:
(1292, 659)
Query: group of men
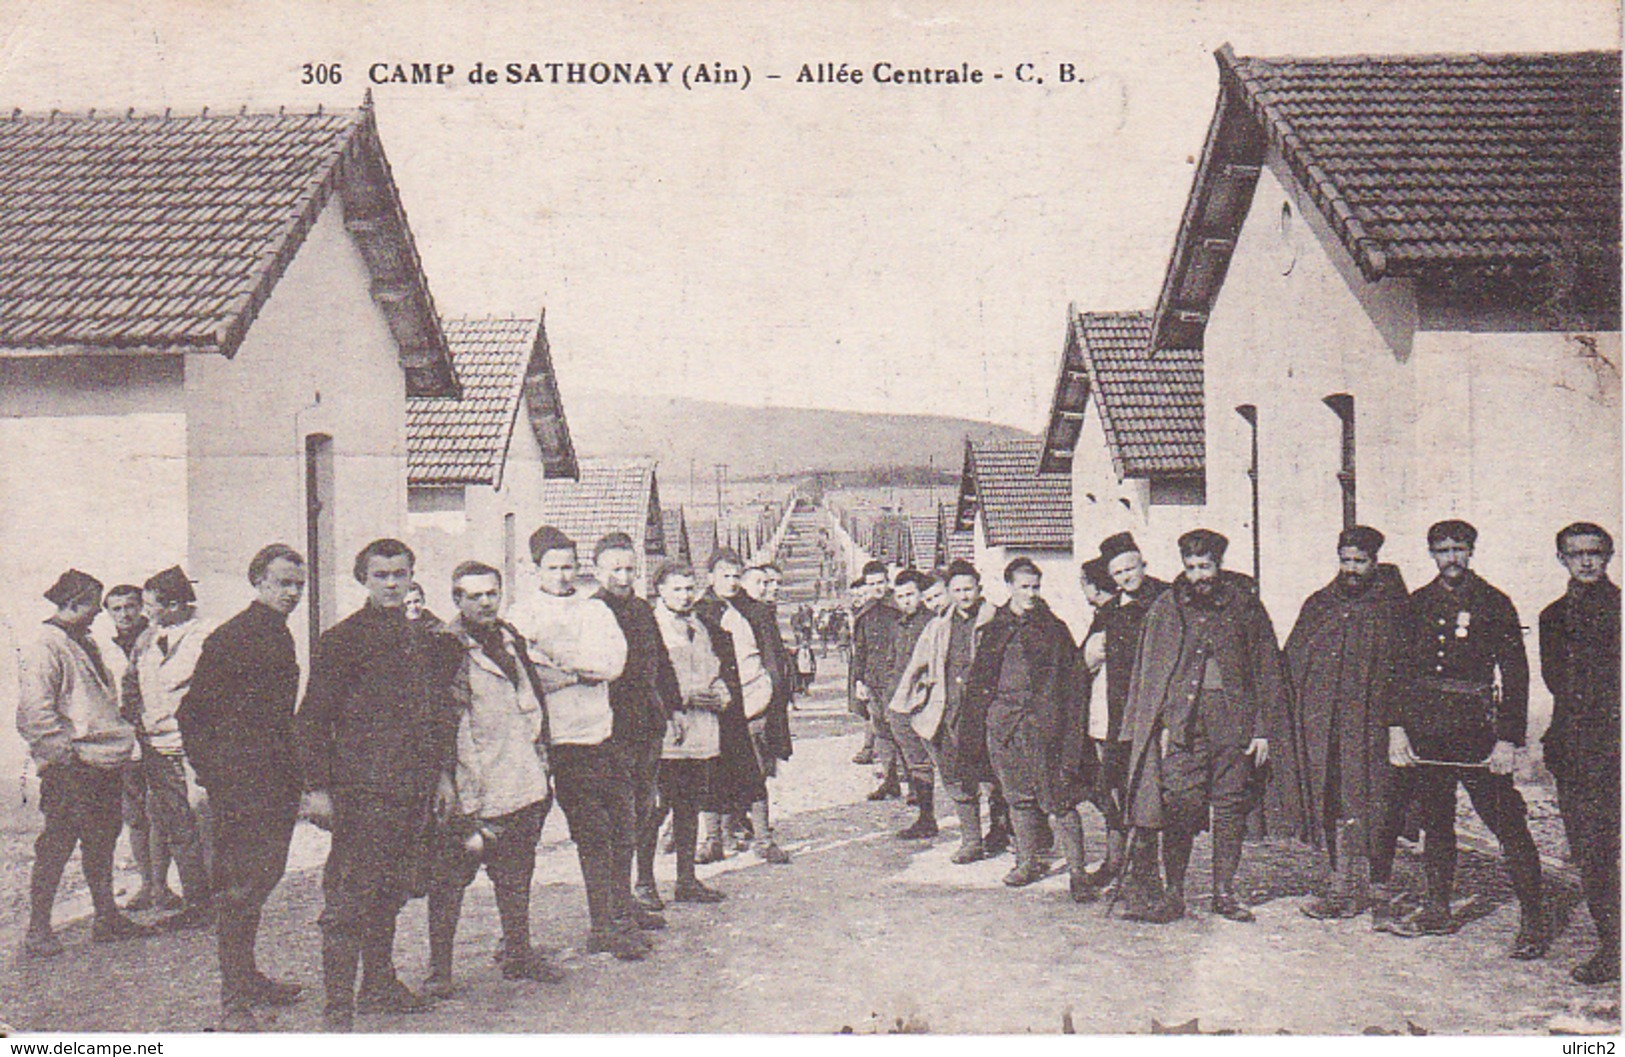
(426, 749)
(1181, 712)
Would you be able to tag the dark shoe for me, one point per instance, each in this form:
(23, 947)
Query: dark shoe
(1429, 921)
(769, 851)
(648, 897)
(1169, 908)
(1022, 876)
(142, 900)
(887, 790)
(695, 892)
(1329, 908)
(338, 1021)
(1102, 875)
(111, 928)
(923, 828)
(912, 799)
(269, 992)
(391, 997)
(967, 854)
(239, 1021)
(997, 841)
(1082, 890)
(196, 916)
(1226, 905)
(1530, 944)
(623, 945)
(646, 920)
(532, 965)
(1600, 968)
(864, 758)
(710, 851)
(41, 943)
(438, 986)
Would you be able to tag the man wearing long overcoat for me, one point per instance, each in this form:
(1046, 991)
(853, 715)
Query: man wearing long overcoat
(377, 743)
(1580, 662)
(1026, 670)
(1343, 661)
(1207, 690)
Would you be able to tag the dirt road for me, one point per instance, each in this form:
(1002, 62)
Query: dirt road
(866, 933)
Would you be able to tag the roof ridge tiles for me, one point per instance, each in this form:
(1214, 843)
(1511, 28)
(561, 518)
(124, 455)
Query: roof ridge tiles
(136, 114)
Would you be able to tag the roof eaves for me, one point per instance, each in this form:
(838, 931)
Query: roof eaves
(541, 389)
(1097, 397)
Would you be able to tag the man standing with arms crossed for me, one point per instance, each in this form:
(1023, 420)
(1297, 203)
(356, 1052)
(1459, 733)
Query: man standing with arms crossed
(377, 741)
(237, 726)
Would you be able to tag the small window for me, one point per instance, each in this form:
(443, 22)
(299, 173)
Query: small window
(435, 499)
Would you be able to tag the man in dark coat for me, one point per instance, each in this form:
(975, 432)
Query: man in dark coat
(377, 737)
(871, 659)
(1117, 623)
(1026, 670)
(237, 726)
(1207, 690)
(1580, 662)
(1455, 728)
(912, 618)
(736, 781)
(1343, 660)
(642, 699)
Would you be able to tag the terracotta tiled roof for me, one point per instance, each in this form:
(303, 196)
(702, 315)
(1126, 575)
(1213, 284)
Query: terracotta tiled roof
(1022, 508)
(960, 544)
(613, 495)
(923, 530)
(1493, 174)
(506, 373)
(167, 234)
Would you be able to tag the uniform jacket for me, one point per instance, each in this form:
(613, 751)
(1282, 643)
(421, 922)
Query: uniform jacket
(1580, 663)
(922, 688)
(67, 706)
(501, 747)
(1466, 637)
(1120, 622)
(164, 661)
(1238, 634)
(1343, 660)
(1054, 697)
(236, 720)
(575, 633)
(378, 716)
(646, 693)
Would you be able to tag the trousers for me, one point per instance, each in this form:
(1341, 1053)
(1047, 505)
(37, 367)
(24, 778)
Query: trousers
(594, 784)
(83, 808)
(911, 748)
(509, 857)
(1588, 796)
(174, 823)
(253, 829)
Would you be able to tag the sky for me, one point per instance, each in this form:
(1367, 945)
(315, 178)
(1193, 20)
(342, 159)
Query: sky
(859, 247)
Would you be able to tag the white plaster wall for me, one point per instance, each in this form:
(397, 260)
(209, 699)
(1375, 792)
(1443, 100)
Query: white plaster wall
(1518, 433)
(320, 332)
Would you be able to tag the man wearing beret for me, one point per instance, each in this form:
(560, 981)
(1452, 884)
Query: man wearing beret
(1207, 689)
(1109, 649)
(377, 743)
(68, 713)
(1456, 727)
(1580, 661)
(165, 660)
(1343, 660)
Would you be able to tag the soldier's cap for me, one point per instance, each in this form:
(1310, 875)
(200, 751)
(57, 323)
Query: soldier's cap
(171, 585)
(1096, 571)
(1121, 543)
(1455, 530)
(1204, 542)
(1362, 538)
(72, 586)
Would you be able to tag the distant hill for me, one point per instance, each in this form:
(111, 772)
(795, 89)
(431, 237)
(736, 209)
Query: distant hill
(765, 441)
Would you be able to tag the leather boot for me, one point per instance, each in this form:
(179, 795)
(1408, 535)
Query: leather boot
(1142, 884)
(1108, 870)
(1024, 824)
(970, 834)
(997, 841)
(889, 789)
(1531, 941)
(341, 958)
(1226, 861)
(924, 826)
(1069, 835)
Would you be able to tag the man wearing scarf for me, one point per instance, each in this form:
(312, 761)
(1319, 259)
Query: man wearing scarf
(1207, 690)
(1026, 670)
(1580, 661)
(68, 713)
(1343, 661)
(377, 736)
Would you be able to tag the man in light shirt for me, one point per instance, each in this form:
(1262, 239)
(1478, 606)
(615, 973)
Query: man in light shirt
(578, 648)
